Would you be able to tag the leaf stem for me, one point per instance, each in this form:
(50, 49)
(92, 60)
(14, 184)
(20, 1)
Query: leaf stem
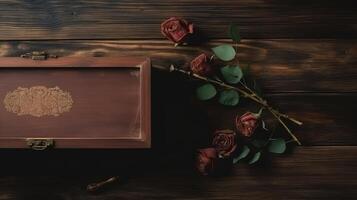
(236, 46)
(250, 94)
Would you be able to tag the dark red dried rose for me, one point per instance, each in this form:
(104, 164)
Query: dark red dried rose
(247, 123)
(205, 160)
(176, 29)
(225, 142)
(201, 65)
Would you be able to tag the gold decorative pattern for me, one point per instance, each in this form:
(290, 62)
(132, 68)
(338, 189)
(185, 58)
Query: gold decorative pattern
(38, 101)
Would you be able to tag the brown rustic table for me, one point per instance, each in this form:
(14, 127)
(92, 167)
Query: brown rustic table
(302, 53)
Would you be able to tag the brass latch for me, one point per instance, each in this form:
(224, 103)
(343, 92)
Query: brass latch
(40, 144)
(38, 55)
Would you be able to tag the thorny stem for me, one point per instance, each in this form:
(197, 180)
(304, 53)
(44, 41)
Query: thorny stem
(272, 110)
(251, 95)
(285, 126)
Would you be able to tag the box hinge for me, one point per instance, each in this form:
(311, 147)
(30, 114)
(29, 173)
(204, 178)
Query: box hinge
(38, 55)
(40, 144)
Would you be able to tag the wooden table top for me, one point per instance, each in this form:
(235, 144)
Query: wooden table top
(302, 53)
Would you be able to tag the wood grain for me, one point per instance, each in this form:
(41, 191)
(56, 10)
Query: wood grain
(84, 19)
(307, 173)
(277, 65)
(326, 121)
(302, 53)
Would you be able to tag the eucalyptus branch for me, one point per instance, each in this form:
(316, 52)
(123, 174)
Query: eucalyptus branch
(250, 94)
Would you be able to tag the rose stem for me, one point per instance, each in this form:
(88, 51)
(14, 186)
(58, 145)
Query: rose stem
(285, 126)
(276, 112)
(252, 96)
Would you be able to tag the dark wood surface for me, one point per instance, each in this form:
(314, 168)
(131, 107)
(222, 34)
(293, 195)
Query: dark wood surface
(309, 173)
(85, 19)
(302, 53)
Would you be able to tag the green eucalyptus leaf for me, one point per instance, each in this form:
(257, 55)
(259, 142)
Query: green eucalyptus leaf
(206, 91)
(243, 154)
(232, 74)
(277, 146)
(234, 33)
(255, 158)
(229, 98)
(224, 52)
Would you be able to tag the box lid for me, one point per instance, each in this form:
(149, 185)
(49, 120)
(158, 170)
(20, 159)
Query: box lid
(74, 102)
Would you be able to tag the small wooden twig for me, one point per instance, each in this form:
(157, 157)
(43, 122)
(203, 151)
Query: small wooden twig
(94, 187)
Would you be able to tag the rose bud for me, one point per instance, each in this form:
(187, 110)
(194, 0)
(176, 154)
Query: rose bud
(177, 30)
(201, 65)
(225, 142)
(205, 160)
(247, 123)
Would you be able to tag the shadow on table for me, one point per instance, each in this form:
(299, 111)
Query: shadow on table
(178, 129)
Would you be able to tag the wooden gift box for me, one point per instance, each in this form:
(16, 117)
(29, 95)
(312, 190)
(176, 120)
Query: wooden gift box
(99, 102)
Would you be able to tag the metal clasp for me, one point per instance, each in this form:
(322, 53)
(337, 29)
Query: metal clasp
(38, 55)
(39, 144)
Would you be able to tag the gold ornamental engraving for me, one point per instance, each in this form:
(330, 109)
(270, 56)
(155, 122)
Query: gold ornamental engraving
(38, 101)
